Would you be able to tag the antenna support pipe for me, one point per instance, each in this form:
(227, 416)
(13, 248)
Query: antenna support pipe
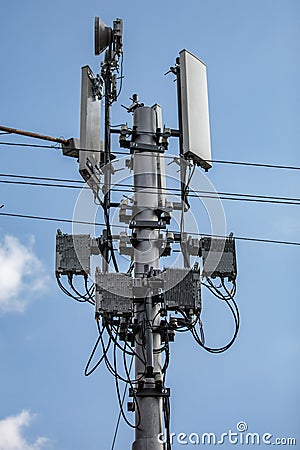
(34, 135)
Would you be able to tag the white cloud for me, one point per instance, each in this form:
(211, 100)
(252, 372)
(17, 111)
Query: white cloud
(12, 433)
(21, 274)
(288, 226)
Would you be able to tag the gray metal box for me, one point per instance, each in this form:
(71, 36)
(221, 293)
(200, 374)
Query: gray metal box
(113, 294)
(73, 253)
(219, 257)
(182, 289)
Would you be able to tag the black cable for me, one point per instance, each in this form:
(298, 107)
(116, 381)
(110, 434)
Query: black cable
(52, 219)
(202, 335)
(166, 409)
(109, 365)
(243, 238)
(121, 77)
(130, 353)
(167, 358)
(86, 371)
(32, 183)
(130, 268)
(242, 163)
(120, 414)
(109, 236)
(219, 195)
(166, 190)
(232, 196)
(184, 201)
(217, 161)
(119, 395)
(236, 316)
(31, 177)
(215, 291)
(84, 297)
(89, 291)
(79, 298)
(188, 325)
(131, 382)
(216, 350)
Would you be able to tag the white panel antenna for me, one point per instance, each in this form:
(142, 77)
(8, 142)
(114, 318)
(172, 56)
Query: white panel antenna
(193, 103)
(90, 145)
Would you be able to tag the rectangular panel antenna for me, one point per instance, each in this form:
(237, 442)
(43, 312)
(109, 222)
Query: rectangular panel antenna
(90, 146)
(193, 104)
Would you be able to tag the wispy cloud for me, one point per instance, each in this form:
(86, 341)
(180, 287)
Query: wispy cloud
(22, 275)
(288, 226)
(12, 433)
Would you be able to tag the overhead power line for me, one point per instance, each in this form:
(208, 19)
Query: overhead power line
(171, 191)
(83, 222)
(32, 177)
(216, 161)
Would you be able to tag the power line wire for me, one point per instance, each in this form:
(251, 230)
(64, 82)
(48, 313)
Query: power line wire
(243, 238)
(170, 191)
(217, 161)
(223, 196)
(32, 177)
(240, 238)
(55, 219)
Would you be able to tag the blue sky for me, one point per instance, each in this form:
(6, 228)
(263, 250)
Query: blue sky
(251, 49)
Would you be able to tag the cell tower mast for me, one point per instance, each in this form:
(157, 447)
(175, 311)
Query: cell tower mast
(135, 308)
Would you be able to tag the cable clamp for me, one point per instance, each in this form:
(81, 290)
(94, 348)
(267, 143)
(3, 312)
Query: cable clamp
(150, 392)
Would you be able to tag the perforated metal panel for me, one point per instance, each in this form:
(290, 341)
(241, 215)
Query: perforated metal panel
(73, 254)
(113, 294)
(219, 258)
(182, 289)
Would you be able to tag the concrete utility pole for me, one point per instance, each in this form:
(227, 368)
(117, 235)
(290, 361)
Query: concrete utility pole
(146, 258)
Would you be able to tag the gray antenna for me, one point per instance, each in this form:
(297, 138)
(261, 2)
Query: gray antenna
(90, 146)
(193, 104)
(103, 36)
